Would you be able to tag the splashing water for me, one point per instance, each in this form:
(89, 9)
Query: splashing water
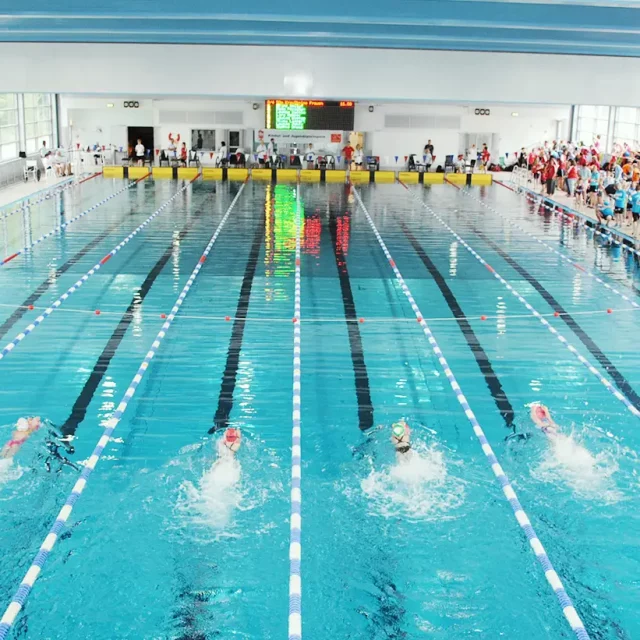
(9, 471)
(417, 486)
(213, 501)
(566, 460)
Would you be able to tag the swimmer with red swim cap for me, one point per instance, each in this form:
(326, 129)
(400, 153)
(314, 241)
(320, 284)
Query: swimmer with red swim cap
(401, 437)
(232, 439)
(21, 433)
(543, 420)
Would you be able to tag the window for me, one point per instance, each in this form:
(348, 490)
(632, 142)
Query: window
(625, 128)
(593, 121)
(9, 134)
(38, 120)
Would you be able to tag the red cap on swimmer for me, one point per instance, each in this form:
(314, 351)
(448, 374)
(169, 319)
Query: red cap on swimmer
(231, 435)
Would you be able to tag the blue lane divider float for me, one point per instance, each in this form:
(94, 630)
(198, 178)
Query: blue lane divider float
(66, 224)
(564, 257)
(295, 540)
(46, 194)
(551, 575)
(49, 542)
(575, 216)
(76, 285)
(610, 387)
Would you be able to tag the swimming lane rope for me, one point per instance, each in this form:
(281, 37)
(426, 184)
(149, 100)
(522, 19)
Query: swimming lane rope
(66, 224)
(564, 257)
(49, 542)
(610, 387)
(49, 310)
(46, 194)
(552, 577)
(295, 540)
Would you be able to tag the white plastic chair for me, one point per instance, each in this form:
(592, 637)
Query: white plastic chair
(30, 170)
(48, 167)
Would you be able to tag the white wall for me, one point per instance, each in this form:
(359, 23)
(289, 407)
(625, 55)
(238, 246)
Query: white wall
(358, 74)
(533, 125)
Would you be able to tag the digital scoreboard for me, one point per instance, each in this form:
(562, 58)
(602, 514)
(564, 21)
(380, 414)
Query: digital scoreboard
(298, 115)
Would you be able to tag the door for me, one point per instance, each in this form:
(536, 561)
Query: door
(140, 133)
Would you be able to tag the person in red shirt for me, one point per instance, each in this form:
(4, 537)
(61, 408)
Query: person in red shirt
(549, 175)
(485, 157)
(572, 178)
(347, 152)
(183, 154)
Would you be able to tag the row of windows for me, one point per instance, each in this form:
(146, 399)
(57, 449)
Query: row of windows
(37, 122)
(621, 124)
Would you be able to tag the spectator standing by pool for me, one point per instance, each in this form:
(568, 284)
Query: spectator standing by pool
(486, 156)
(428, 147)
(549, 176)
(428, 160)
(310, 157)
(139, 150)
(572, 177)
(200, 141)
(358, 158)
(347, 152)
(261, 153)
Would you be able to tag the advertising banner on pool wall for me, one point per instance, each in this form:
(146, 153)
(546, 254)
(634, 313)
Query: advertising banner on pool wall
(287, 141)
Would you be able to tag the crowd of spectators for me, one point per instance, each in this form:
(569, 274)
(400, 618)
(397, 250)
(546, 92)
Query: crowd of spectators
(608, 182)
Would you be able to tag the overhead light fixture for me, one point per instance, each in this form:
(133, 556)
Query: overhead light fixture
(256, 106)
(371, 109)
(110, 105)
(514, 114)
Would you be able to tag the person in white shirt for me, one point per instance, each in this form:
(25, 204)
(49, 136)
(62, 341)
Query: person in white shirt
(261, 153)
(272, 150)
(358, 158)
(310, 157)
(140, 152)
(60, 164)
(222, 153)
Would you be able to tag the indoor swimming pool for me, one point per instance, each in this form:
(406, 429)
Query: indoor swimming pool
(166, 544)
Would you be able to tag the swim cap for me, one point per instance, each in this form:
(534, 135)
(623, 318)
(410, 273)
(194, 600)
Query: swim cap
(398, 430)
(22, 424)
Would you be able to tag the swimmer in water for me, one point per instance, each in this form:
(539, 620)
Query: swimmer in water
(21, 433)
(543, 420)
(232, 440)
(401, 437)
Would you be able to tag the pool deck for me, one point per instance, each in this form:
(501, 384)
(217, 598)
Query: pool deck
(19, 191)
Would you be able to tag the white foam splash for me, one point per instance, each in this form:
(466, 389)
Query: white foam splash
(589, 476)
(9, 471)
(217, 494)
(417, 486)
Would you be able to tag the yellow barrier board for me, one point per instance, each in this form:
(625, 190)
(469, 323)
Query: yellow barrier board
(261, 174)
(385, 176)
(209, 173)
(482, 179)
(359, 177)
(112, 172)
(457, 178)
(434, 178)
(287, 175)
(237, 174)
(186, 173)
(408, 177)
(335, 176)
(309, 175)
(138, 172)
(162, 173)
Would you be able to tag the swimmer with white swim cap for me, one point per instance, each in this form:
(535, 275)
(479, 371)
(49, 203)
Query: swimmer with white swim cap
(543, 420)
(401, 437)
(21, 433)
(232, 439)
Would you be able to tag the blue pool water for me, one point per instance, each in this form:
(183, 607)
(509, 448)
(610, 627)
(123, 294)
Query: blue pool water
(163, 544)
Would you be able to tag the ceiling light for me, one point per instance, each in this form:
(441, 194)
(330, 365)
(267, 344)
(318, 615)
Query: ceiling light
(514, 114)
(110, 105)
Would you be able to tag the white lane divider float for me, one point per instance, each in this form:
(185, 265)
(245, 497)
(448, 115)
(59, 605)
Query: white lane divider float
(552, 577)
(564, 257)
(49, 542)
(66, 224)
(610, 387)
(295, 540)
(76, 285)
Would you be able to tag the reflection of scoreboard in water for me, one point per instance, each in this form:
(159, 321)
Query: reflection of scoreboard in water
(298, 115)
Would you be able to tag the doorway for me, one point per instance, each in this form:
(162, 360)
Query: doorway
(145, 134)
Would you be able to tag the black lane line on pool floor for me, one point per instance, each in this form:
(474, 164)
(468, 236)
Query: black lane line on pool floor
(482, 359)
(230, 373)
(621, 382)
(80, 406)
(363, 391)
(45, 285)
